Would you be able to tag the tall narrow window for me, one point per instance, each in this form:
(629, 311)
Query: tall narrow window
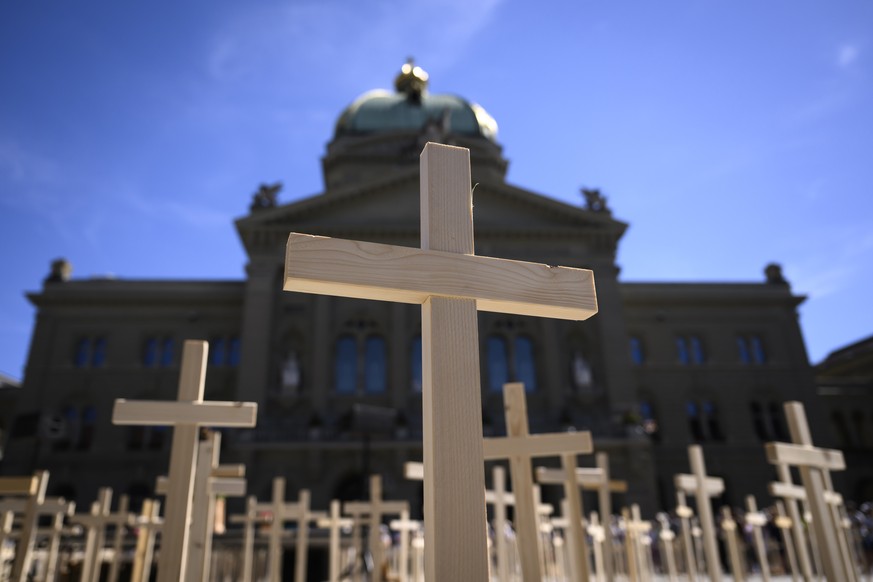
(682, 351)
(758, 421)
(234, 351)
(525, 366)
(759, 355)
(346, 365)
(375, 365)
(743, 350)
(698, 354)
(638, 354)
(712, 422)
(86, 432)
(98, 352)
(580, 372)
(415, 366)
(167, 350)
(216, 351)
(498, 363)
(150, 352)
(694, 424)
(776, 422)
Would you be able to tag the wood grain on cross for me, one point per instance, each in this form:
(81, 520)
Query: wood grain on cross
(520, 447)
(703, 488)
(450, 283)
(186, 415)
(814, 465)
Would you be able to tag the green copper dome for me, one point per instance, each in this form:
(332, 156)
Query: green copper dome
(412, 108)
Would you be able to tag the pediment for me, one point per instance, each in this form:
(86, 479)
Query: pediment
(388, 211)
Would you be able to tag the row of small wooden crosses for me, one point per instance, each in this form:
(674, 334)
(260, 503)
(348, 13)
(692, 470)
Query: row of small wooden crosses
(202, 479)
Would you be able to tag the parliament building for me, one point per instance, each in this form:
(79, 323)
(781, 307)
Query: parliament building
(338, 381)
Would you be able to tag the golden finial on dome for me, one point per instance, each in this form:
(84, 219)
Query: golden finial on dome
(411, 80)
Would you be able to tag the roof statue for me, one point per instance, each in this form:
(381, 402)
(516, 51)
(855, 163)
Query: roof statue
(594, 200)
(265, 197)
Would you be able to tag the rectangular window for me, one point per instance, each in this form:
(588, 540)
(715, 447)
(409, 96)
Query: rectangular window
(638, 355)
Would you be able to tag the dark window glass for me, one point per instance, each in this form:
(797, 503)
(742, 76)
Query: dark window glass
(638, 356)
(525, 365)
(83, 350)
(712, 424)
(167, 352)
(233, 352)
(743, 350)
(86, 432)
(758, 421)
(415, 364)
(346, 365)
(150, 352)
(694, 424)
(98, 353)
(698, 355)
(758, 353)
(682, 350)
(375, 365)
(498, 363)
(216, 352)
(157, 436)
(776, 422)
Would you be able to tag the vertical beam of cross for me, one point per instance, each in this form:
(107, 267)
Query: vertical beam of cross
(451, 398)
(36, 495)
(703, 488)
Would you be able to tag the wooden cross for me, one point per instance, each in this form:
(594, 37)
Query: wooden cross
(500, 499)
(592, 479)
(792, 494)
(249, 519)
(186, 415)
(56, 507)
(667, 536)
(334, 524)
(703, 487)
(520, 447)
(147, 523)
(282, 512)
(33, 489)
(121, 519)
(405, 526)
(729, 526)
(599, 538)
(635, 527)
(785, 525)
(376, 508)
(685, 514)
(814, 463)
(94, 524)
(450, 283)
(756, 520)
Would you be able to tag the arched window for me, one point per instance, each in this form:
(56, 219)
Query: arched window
(375, 365)
(346, 365)
(415, 366)
(498, 362)
(291, 377)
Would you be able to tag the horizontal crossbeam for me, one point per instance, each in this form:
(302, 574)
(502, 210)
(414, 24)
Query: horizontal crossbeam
(537, 445)
(805, 456)
(18, 485)
(364, 270)
(688, 483)
(588, 478)
(169, 413)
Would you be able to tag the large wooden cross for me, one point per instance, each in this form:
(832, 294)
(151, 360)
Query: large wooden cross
(757, 520)
(793, 494)
(685, 514)
(187, 416)
(814, 464)
(249, 519)
(520, 447)
(703, 488)
(147, 524)
(94, 523)
(335, 523)
(450, 283)
(33, 489)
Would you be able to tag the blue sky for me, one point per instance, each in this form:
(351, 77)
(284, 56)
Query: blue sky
(727, 133)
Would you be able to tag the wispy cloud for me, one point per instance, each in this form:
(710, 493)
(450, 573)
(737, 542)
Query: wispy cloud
(190, 214)
(820, 274)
